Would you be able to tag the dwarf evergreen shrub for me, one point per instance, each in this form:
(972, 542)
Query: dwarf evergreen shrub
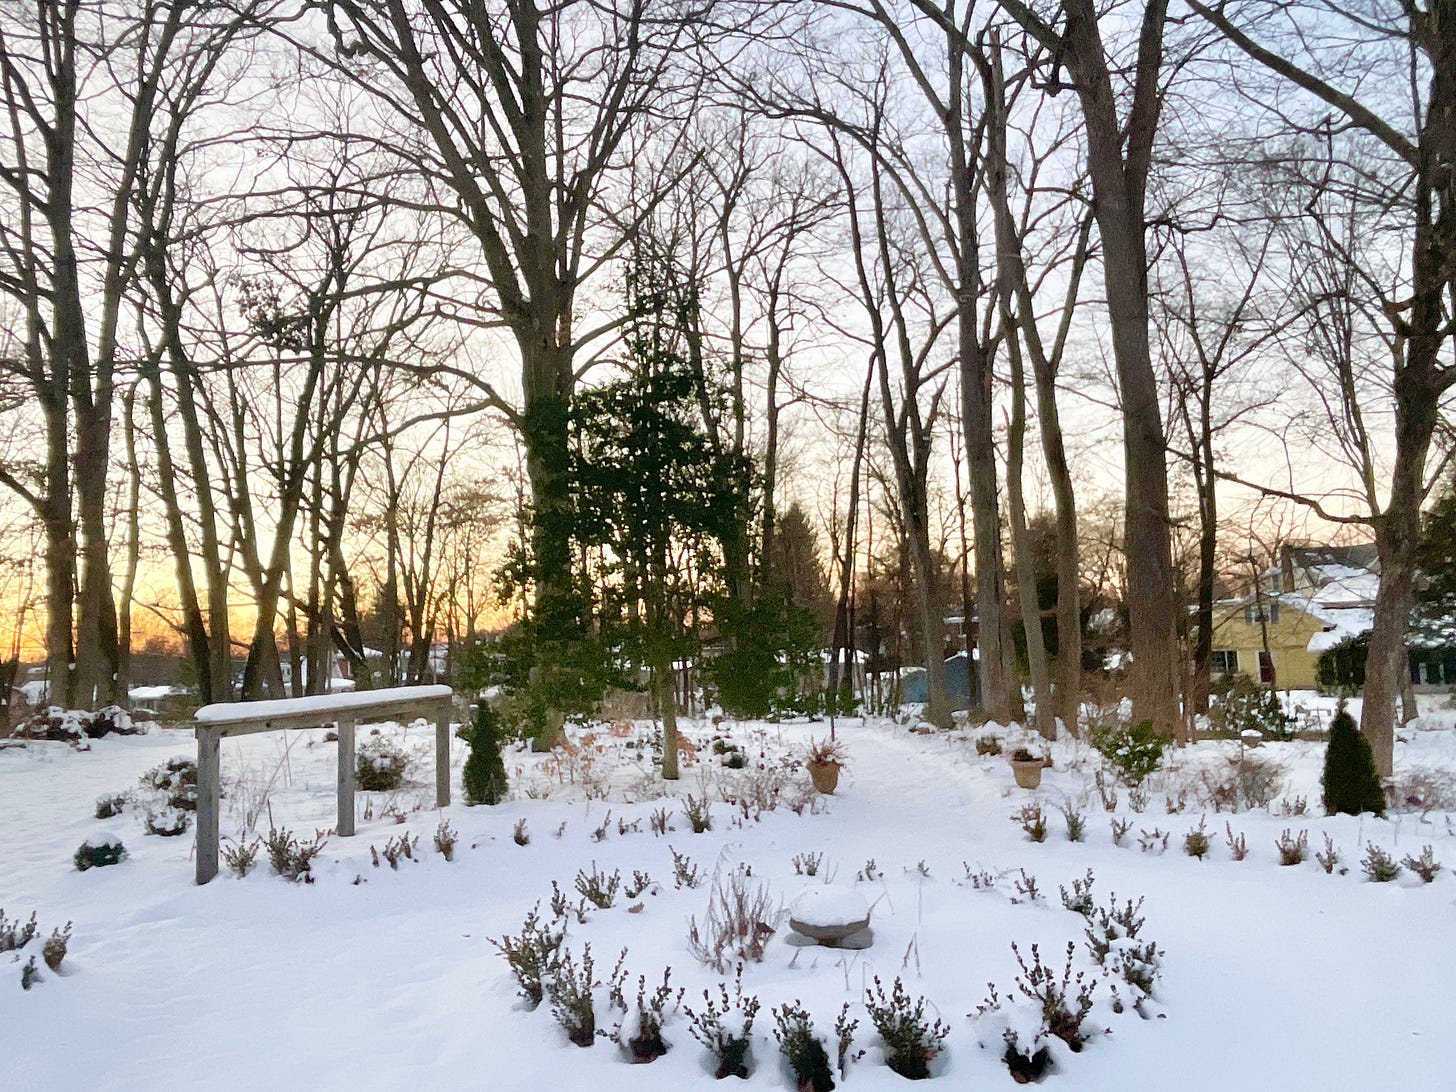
(484, 775)
(1350, 783)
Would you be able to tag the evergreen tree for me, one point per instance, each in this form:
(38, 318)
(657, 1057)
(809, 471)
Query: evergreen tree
(484, 774)
(1350, 783)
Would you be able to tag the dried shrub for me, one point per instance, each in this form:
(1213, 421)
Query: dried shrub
(1328, 857)
(1113, 942)
(519, 834)
(1080, 900)
(699, 814)
(110, 805)
(14, 935)
(988, 745)
(1076, 820)
(808, 863)
(1032, 821)
(445, 840)
(684, 872)
(54, 949)
(291, 857)
(1253, 782)
(241, 857)
(402, 846)
(1238, 845)
(737, 924)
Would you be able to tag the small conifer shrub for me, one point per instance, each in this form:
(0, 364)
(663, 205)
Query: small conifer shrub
(98, 852)
(1350, 783)
(484, 774)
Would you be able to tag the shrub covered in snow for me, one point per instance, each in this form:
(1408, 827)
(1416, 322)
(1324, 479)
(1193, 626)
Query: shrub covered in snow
(534, 956)
(1241, 705)
(176, 779)
(75, 725)
(166, 820)
(1350, 783)
(725, 1027)
(911, 1040)
(98, 851)
(380, 765)
(1133, 750)
(109, 805)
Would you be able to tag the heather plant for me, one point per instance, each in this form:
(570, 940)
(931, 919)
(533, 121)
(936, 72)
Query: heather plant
(1064, 1001)
(802, 1049)
(1350, 785)
(571, 989)
(597, 887)
(533, 955)
(912, 1041)
(1292, 850)
(1033, 821)
(1378, 865)
(1079, 900)
(1425, 866)
(1195, 842)
(725, 1027)
(640, 1031)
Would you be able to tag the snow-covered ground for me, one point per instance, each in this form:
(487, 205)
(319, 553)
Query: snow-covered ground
(1272, 977)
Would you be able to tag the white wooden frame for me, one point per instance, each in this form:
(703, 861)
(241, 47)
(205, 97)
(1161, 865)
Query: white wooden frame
(343, 711)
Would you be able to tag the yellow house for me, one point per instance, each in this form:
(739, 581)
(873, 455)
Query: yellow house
(1267, 638)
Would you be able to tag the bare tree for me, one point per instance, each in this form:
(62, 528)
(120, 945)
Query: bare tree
(1413, 136)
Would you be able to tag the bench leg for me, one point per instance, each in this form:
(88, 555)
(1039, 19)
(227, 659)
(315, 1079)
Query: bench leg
(209, 792)
(442, 759)
(346, 778)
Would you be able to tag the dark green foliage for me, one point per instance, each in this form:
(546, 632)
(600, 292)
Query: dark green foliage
(1350, 782)
(1341, 670)
(484, 774)
(100, 855)
(1241, 704)
(1133, 750)
(773, 652)
(912, 1040)
(803, 1050)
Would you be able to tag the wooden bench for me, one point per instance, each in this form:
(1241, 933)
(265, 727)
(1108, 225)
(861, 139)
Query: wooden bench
(343, 711)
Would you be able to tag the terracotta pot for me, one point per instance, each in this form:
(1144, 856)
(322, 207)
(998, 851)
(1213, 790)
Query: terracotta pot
(825, 776)
(1028, 773)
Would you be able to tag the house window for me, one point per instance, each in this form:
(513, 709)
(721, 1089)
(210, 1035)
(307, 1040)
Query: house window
(1265, 611)
(1225, 661)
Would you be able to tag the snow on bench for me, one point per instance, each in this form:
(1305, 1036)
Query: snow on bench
(342, 711)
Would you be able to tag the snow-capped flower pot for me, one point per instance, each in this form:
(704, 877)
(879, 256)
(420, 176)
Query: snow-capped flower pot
(1027, 768)
(829, 915)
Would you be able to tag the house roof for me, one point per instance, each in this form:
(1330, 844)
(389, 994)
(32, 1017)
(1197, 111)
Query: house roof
(1362, 556)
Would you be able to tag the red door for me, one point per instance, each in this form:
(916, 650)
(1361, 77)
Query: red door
(1266, 667)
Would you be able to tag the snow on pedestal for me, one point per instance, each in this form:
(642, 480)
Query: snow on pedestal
(829, 915)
